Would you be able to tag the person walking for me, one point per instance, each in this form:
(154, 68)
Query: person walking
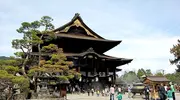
(103, 92)
(119, 89)
(98, 92)
(162, 92)
(106, 91)
(146, 91)
(169, 94)
(92, 91)
(119, 96)
(88, 91)
(173, 90)
(112, 91)
(165, 87)
(129, 91)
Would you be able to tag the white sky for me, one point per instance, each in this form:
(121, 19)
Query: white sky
(148, 29)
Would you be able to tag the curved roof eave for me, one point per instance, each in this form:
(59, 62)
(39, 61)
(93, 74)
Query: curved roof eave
(86, 38)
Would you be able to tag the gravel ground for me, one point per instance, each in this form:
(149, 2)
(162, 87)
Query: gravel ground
(86, 97)
(125, 97)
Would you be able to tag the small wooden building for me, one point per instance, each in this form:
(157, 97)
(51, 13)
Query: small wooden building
(154, 82)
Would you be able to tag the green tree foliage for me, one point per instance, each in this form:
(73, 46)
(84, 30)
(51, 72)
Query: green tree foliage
(171, 77)
(175, 50)
(11, 62)
(57, 64)
(47, 28)
(140, 73)
(130, 77)
(158, 74)
(178, 68)
(29, 39)
(3, 57)
(174, 77)
(177, 75)
(8, 76)
(33, 33)
(148, 72)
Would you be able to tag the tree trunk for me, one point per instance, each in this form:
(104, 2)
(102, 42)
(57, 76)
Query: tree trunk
(23, 66)
(60, 91)
(63, 91)
(39, 50)
(9, 94)
(35, 85)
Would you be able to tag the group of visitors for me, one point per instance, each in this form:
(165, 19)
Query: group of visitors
(93, 91)
(112, 92)
(74, 89)
(103, 92)
(164, 91)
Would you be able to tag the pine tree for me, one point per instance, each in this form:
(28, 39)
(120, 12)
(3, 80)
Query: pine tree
(8, 77)
(57, 66)
(175, 50)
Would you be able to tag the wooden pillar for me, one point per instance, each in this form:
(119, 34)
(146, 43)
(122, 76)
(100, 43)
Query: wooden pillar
(107, 71)
(114, 74)
(87, 76)
(79, 69)
(112, 79)
(93, 65)
(79, 64)
(96, 66)
(94, 70)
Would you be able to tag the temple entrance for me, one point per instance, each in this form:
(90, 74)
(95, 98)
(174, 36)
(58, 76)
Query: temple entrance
(93, 72)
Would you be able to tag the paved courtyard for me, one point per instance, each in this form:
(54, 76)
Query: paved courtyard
(86, 97)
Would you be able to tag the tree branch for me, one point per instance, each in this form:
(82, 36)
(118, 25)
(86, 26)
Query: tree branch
(22, 50)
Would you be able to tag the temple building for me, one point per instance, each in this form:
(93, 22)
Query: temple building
(86, 49)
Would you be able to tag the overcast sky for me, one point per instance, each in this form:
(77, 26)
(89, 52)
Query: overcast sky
(147, 28)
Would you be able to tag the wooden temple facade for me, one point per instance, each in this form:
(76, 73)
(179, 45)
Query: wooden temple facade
(86, 49)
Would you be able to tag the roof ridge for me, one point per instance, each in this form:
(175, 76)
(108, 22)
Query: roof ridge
(78, 17)
(75, 16)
